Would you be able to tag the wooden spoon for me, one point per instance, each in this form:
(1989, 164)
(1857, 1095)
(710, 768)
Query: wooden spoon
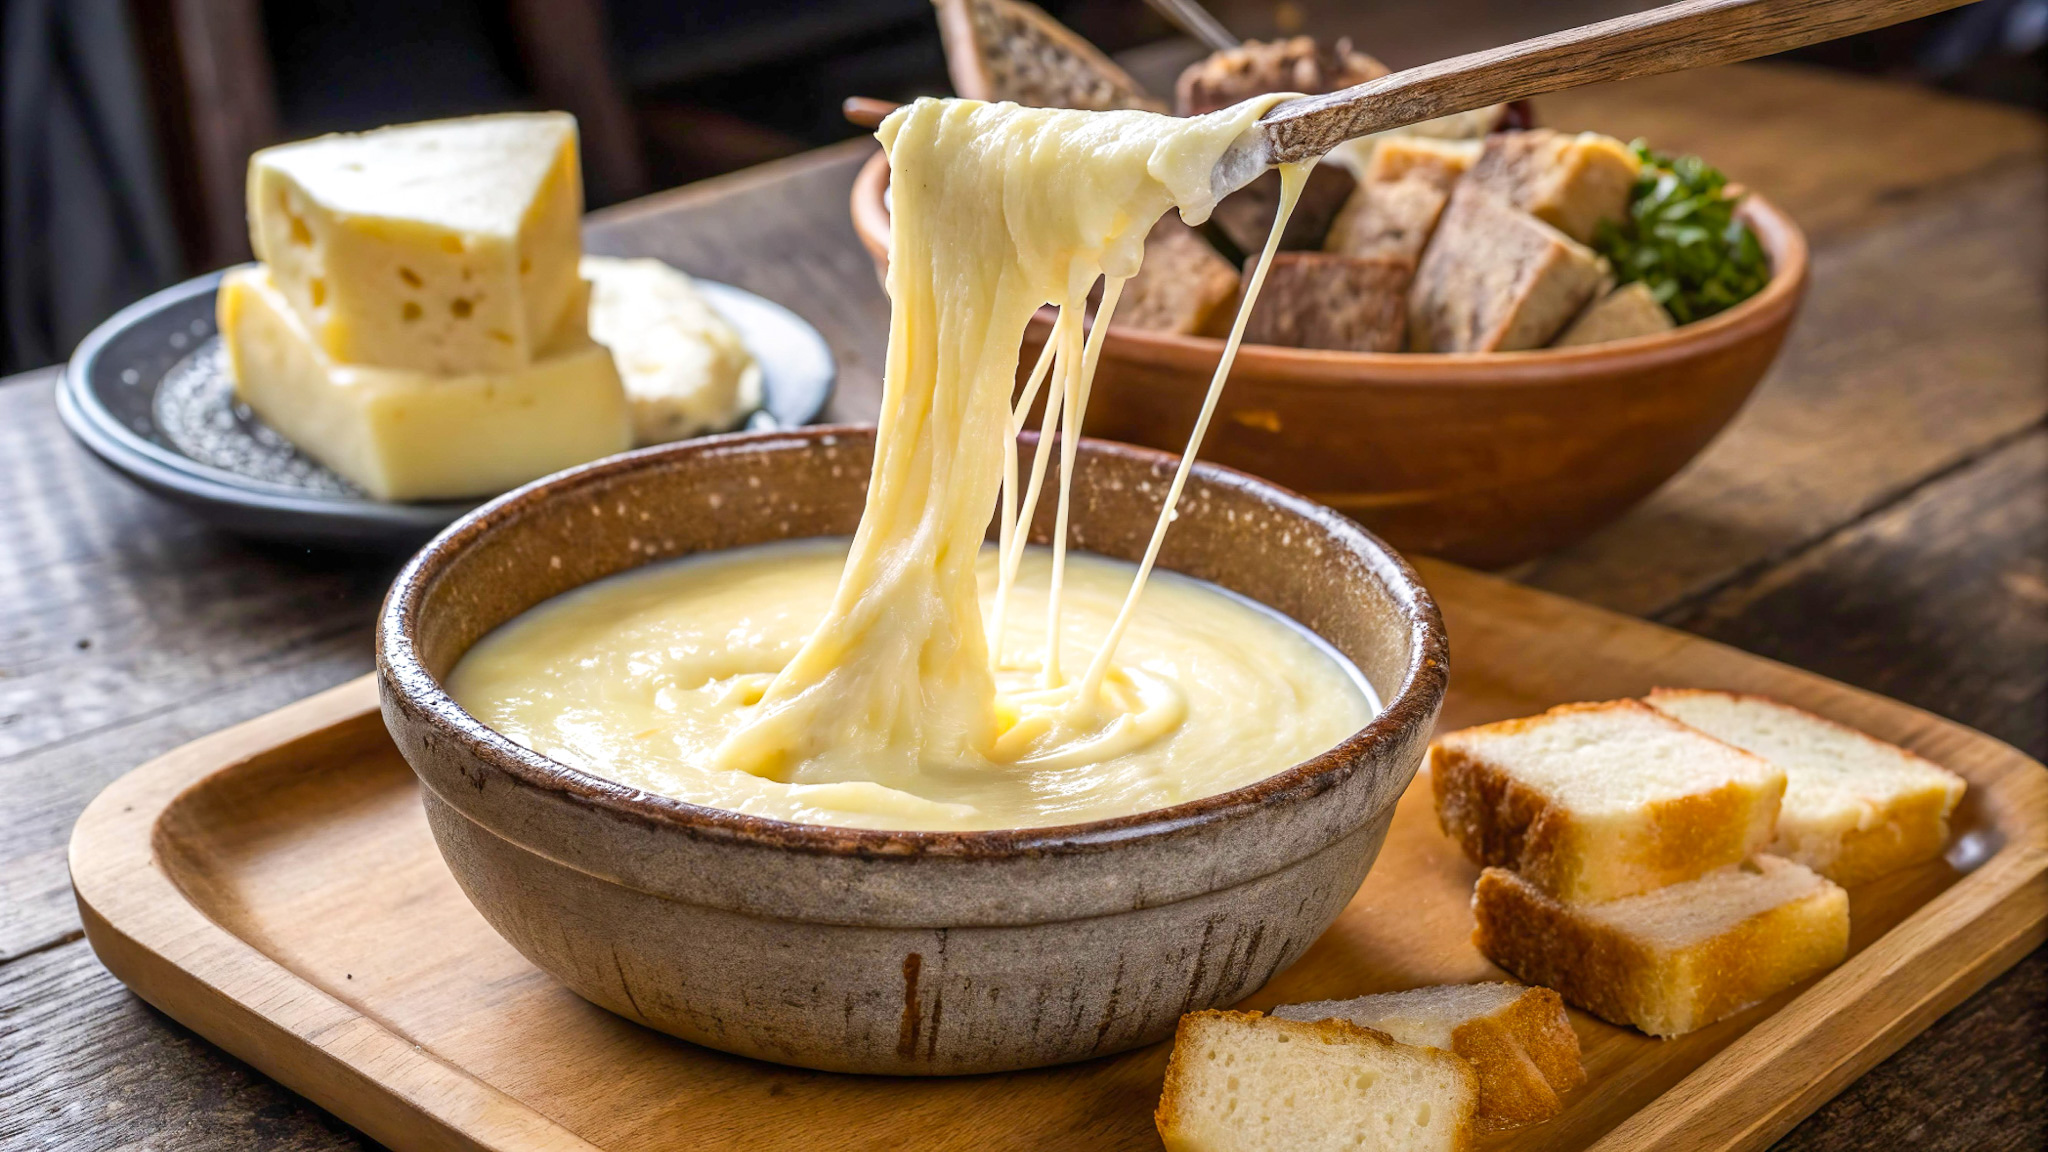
(1689, 34)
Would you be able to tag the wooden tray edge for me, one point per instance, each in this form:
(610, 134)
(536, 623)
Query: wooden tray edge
(1744, 1097)
(154, 940)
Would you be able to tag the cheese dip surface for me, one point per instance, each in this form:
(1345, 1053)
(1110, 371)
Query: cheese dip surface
(640, 677)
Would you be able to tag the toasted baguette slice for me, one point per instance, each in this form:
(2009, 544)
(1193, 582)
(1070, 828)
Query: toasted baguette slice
(1517, 1039)
(1011, 50)
(1675, 959)
(1571, 181)
(1599, 801)
(1242, 1082)
(1181, 284)
(1855, 807)
(1630, 310)
(1324, 300)
(1496, 279)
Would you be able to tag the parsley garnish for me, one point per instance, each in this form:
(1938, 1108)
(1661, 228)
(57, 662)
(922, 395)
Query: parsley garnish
(1683, 240)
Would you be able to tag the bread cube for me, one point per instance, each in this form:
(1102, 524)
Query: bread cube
(1630, 310)
(1323, 300)
(1597, 801)
(1855, 807)
(1496, 279)
(1256, 67)
(1242, 1082)
(1181, 284)
(1245, 216)
(1569, 181)
(1436, 162)
(1518, 1039)
(1672, 960)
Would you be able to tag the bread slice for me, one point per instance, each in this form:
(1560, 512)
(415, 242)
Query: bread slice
(1011, 50)
(1256, 67)
(1242, 1082)
(1496, 279)
(1181, 284)
(1570, 181)
(1630, 310)
(1598, 801)
(1675, 959)
(1517, 1039)
(1855, 807)
(1324, 300)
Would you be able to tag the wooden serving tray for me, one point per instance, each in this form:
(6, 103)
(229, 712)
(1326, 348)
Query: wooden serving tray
(275, 888)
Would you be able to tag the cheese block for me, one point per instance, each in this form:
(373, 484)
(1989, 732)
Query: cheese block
(400, 434)
(447, 247)
(1328, 300)
(1569, 181)
(1496, 279)
(1672, 960)
(1630, 310)
(685, 369)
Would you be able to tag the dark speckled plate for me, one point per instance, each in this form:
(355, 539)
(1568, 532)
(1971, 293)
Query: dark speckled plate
(149, 393)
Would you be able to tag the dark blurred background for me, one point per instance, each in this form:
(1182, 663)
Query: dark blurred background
(125, 125)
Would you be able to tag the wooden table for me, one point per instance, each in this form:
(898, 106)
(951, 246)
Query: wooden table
(1879, 514)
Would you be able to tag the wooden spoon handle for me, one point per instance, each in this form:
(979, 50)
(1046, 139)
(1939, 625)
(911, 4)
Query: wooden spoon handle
(1689, 34)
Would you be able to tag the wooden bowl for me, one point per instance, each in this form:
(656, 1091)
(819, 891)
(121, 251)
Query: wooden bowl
(1484, 458)
(923, 953)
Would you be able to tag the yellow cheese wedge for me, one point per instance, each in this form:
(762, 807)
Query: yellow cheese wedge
(406, 435)
(448, 246)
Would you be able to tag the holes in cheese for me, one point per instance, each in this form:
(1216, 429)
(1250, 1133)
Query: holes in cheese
(447, 247)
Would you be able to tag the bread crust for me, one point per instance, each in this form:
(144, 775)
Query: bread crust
(1912, 829)
(1501, 821)
(1623, 979)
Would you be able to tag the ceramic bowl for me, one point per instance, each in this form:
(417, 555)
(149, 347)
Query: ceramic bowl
(899, 952)
(1484, 458)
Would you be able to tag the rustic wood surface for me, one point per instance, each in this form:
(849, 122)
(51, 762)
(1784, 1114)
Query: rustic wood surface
(1879, 513)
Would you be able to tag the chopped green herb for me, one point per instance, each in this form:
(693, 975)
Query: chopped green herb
(1682, 239)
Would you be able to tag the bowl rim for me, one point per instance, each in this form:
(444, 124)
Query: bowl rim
(1783, 242)
(406, 682)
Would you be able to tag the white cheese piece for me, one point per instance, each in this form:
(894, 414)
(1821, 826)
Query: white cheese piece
(406, 435)
(685, 370)
(448, 246)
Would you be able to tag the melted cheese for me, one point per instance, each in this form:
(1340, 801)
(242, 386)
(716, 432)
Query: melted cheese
(900, 704)
(638, 677)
